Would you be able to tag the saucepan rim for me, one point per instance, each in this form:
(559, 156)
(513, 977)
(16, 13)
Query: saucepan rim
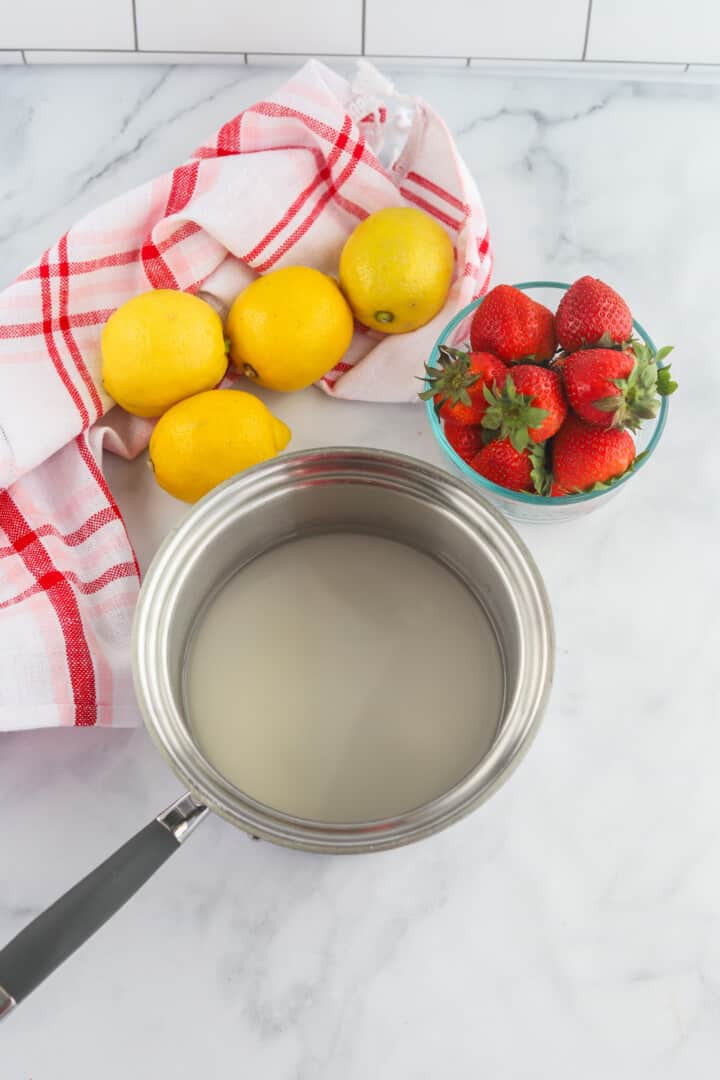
(466, 508)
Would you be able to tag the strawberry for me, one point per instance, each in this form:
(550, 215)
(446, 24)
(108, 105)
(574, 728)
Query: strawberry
(458, 381)
(585, 458)
(465, 439)
(530, 407)
(518, 470)
(617, 388)
(591, 313)
(513, 326)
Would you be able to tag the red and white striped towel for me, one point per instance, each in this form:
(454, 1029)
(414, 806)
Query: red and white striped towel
(238, 207)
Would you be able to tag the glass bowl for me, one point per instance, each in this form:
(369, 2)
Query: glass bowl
(520, 505)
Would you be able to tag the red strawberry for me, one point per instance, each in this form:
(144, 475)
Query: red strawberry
(512, 325)
(457, 383)
(591, 313)
(518, 470)
(589, 381)
(509, 468)
(584, 457)
(614, 388)
(530, 407)
(465, 439)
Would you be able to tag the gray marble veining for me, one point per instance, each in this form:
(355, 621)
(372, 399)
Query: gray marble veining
(570, 928)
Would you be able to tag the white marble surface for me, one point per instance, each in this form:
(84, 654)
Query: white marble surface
(571, 927)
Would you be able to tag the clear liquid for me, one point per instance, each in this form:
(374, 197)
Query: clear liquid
(344, 678)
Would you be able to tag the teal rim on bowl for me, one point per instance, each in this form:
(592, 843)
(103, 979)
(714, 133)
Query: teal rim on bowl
(528, 498)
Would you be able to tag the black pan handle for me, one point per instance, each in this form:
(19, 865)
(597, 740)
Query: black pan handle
(62, 928)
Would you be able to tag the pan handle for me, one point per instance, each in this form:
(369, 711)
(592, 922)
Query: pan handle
(62, 928)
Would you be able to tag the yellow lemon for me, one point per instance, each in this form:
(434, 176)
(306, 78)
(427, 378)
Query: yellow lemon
(289, 328)
(396, 268)
(209, 437)
(159, 348)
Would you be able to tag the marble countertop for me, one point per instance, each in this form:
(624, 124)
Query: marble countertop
(571, 927)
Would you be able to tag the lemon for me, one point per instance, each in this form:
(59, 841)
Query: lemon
(289, 328)
(159, 348)
(396, 268)
(209, 437)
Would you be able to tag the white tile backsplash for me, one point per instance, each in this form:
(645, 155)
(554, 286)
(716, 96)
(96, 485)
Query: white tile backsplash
(66, 24)
(418, 61)
(656, 30)
(340, 61)
(553, 29)
(271, 26)
(122, 56)
(607, 38)
(347, 64)
(703, 72)
(591, 69)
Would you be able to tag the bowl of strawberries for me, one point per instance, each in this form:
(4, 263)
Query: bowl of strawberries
(549, 396)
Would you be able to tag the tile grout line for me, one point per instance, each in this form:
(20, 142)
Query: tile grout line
(362, 27)
(187, 52)
(587, 29)
(493, 61)
(560, 61)
(135, 33)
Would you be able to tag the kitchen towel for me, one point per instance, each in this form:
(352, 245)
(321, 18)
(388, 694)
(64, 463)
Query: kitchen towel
(237, 208)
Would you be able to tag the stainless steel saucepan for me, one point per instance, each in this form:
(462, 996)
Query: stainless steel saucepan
(322, 491)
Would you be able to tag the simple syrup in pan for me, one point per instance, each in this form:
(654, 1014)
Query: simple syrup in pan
(344, 678)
